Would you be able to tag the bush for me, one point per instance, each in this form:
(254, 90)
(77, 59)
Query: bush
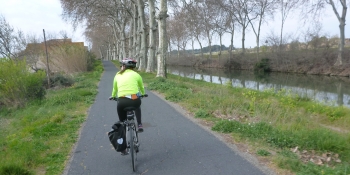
(18, 85)
(91, 58)
(59, 80)
(201, 113)
(34, 85)
(263, 65)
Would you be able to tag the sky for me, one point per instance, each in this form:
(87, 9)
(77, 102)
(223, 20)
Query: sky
(32, 16)
(293, 26)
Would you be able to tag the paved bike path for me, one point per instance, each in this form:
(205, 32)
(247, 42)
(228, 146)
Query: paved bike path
(170, 145)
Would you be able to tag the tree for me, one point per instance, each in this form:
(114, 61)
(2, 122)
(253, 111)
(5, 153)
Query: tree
(263, 8)
(178, 32)
(96, 14)
(152, 36)
(197, 24)
(11, 41)
(143, 33)
(33, 52)
(208, 15)
(220, 26)
(316, 8)
(241, 10)
(161, 56)
(286, 6)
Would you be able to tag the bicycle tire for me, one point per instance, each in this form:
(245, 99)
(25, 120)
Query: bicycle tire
(132, 148)
(137, 145)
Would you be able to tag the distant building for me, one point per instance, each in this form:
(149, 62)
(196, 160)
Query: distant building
(62, 52)
(51, 44)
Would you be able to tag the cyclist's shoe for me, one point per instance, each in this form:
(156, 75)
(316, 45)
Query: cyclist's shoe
(140, 128)
(125, 152)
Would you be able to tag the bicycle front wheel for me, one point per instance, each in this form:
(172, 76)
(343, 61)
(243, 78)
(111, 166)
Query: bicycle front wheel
(132, 134)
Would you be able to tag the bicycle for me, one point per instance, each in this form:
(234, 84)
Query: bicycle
(132, 143)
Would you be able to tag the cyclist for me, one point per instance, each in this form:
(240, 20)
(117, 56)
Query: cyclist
(128, 85)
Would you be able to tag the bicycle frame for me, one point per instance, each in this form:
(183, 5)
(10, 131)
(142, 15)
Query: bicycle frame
(132, 137)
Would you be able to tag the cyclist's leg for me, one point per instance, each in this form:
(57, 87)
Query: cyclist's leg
(138, 118)
(138, 115)
(120, 109)
(122, 103)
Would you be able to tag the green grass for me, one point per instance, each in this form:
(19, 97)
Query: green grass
(37, 139)
(266, 120)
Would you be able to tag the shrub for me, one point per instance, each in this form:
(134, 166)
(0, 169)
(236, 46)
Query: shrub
(263, 65)
(34, 85)
(18, 85)
(91, 58)
(201, 113)
(59, 80)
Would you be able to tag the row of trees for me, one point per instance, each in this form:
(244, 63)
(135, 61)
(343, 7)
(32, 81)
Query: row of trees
(119, 29)
(198, 21)
(122, 28)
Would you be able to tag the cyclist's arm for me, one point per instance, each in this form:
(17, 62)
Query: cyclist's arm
(115, 87)
(140, 84)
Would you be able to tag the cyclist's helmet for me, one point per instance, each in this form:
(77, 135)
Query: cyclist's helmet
(128, 62)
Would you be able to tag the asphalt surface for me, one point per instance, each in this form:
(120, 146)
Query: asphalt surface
(171, 143)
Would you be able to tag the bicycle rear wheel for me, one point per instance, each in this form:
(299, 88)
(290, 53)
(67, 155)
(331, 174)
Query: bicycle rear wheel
(132, 134)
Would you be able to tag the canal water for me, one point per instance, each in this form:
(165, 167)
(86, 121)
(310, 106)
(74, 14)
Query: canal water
(329, 90)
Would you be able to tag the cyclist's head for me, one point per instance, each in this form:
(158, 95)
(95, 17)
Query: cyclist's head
(129, 63)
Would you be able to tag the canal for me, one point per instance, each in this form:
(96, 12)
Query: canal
(329, 90)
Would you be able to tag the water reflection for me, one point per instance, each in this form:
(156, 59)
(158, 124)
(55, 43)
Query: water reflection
(325, 89)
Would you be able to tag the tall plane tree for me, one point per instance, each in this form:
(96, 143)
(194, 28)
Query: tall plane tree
(152, 36)
(163, 43)
(143, 35)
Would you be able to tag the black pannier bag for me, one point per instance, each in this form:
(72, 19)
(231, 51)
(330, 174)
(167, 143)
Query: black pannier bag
(117, 137)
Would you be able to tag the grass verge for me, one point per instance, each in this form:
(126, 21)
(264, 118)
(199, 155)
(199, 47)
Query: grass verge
(37, 139)
(295, 134)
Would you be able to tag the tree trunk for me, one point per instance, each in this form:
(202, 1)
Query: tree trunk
(220, 35)
(209, 40)
(123, 42)
(341, 20)
(101, 53)
(135, 35)
(142, 29)
(152, 36)
(138, 44)
(339, 61)
(200, 44)
(231, 48)
(243, 39)
(161, 57)
(131, 39)
(193, 46)
(281, 38)
(178, 52)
